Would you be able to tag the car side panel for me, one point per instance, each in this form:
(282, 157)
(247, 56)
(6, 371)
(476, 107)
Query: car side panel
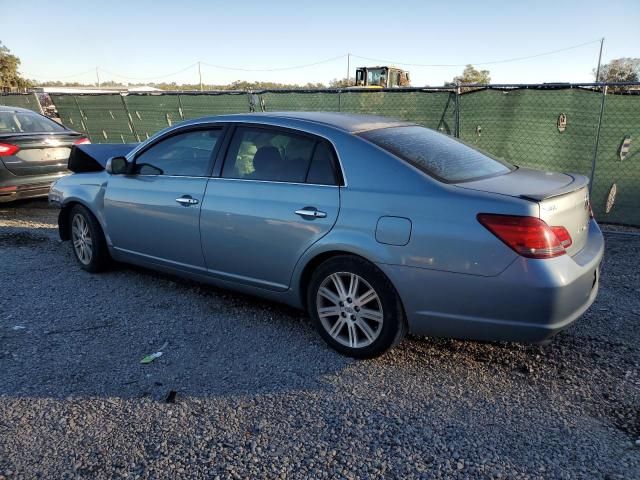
(530, 301)
(251, 234)
(144, 218)
(86, 189)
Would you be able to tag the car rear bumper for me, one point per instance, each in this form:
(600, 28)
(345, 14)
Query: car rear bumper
(16, 188)
(530, 301)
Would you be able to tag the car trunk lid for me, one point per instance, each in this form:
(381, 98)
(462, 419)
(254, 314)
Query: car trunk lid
(563, 198)
(40, 153)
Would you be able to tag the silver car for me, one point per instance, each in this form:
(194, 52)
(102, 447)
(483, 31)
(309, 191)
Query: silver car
(377, 227)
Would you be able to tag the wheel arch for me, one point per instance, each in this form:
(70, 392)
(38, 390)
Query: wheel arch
(64, 217)
(321, 257)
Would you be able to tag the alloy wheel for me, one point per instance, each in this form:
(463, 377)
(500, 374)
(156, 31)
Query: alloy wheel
(81, 237)
(349, 309)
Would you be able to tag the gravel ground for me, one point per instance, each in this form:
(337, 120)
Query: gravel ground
(258, 395)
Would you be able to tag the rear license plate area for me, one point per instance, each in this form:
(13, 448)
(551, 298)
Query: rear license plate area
(58, 153)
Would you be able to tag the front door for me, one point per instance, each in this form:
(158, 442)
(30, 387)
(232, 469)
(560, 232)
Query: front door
(277, 195)
(154, 213)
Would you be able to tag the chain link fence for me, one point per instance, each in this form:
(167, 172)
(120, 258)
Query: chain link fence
(592, 129)
(616, 176)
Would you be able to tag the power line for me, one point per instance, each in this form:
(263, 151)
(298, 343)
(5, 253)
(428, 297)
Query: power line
(515, 59)
(222, 67)
(277, 69)
(151, 77)
(57, 76)
(306, 65)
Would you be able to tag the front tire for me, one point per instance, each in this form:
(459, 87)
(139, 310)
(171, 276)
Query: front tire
(355, 308)
(87, 240)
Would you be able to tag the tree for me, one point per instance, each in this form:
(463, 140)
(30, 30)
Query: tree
(471, 75)
(620, 70)
(342, 82)
(9, 76)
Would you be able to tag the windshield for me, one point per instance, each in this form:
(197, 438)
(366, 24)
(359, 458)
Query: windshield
(27, 122)
(438, 155)
(376, 76)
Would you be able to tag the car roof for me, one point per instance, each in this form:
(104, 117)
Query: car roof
(9, 108)
(348, 122)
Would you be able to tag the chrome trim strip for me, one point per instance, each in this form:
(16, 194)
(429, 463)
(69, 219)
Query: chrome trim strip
(274, 181)
(234, 179)
(205, 177)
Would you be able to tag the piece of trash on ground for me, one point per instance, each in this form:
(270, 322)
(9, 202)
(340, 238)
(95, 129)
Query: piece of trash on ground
(151, 358)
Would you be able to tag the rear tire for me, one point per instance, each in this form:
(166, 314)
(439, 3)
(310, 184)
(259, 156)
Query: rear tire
(355, 308)
(87, 240)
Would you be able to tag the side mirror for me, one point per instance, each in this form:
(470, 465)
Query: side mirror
(117, 166)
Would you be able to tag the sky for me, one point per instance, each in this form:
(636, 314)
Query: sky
(146, 41)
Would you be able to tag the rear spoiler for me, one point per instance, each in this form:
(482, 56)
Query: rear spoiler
(93, 157)
(579, 181)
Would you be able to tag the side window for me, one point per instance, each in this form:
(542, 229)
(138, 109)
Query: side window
(266, 154)
(184, 154)
(322, 170)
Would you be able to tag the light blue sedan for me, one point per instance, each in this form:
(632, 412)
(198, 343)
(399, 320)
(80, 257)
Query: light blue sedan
(377, 227)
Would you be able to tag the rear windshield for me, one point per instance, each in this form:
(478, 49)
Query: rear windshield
(438, 155)
(27, 122)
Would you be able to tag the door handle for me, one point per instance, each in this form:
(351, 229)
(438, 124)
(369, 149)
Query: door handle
(186, 200)
(311, 212)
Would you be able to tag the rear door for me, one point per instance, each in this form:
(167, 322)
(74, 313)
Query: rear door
(278, 194)
(154, 213)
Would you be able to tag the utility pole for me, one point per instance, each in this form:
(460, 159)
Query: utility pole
(599, 60)
(200, 75)
(348, 67)
(98, 76)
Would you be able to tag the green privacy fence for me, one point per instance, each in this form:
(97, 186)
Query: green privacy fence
(617, 166)
(135, 117)
(431, 108)
(23, 100)
(567, 130)
(589, 129)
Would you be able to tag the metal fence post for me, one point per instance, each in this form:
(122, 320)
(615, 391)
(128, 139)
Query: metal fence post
(339, 100)
(456, 129)
(40, 110)
(251, 105)
(180, 111)
(597, 143)
(132, 126)
(82, 122)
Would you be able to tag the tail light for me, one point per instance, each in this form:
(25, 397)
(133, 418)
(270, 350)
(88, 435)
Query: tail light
(82, 141)
(7, 149)
(563, 235)
(527, 236)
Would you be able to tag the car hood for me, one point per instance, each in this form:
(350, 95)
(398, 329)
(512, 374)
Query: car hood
(93, 157)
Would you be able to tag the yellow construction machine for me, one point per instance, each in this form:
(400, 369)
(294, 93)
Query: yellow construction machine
(381, 77)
